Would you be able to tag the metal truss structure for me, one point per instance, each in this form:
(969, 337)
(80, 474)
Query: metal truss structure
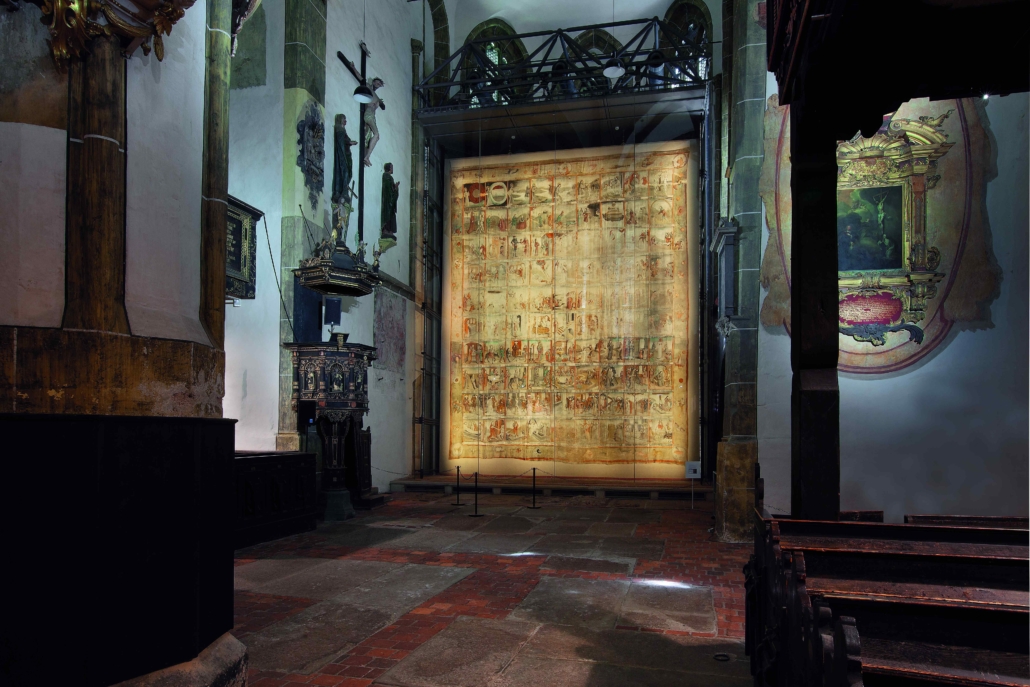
(658, 57)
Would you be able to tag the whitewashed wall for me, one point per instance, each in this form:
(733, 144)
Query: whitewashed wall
(255, 177)
(164, 158)
(388, 30)
(33, 163)
(949, 434)
(33, 167)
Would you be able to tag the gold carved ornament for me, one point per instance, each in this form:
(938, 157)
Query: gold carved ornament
(903, 152)
(74, 23)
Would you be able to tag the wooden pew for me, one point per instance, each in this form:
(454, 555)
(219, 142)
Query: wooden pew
(847, 603)
(998, 521)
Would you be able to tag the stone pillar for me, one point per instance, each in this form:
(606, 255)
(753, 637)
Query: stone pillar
(740, 409)
(305, 83)
(417, 169)
(815, 398)
(215, 182)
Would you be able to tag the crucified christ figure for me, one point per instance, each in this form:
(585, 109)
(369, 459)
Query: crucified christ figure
(368, 114)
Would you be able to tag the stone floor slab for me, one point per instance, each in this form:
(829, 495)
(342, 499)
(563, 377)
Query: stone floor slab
(253, 575)
(468, 507)
(633, 547)
(641, 649)
(669, 606)
(611, 529)
(635, 515)
(496, 544)
(593, 604)
(429, 539)
(327, 580)
(403, 589)
(568, 545)
(462, 523)
(624, 567)
(468, 653)
(305, 642)
(591, 514)
(507, 524)
(534, 672)
(562, 527)
(361, 537)
(405, 523)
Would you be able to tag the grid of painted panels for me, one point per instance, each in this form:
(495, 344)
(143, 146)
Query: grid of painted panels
(569, 310)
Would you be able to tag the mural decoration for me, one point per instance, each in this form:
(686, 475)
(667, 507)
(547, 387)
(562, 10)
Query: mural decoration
(389, 332)
(568, 309)
(912, 238)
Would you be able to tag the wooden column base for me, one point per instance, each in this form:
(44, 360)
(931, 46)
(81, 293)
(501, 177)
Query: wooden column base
(100, 373)
(815, 450)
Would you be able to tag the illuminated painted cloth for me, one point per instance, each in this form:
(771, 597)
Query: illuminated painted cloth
(568, 308)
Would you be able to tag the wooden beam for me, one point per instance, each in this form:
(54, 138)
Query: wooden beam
(215, 183)
(815, 397)
(95, 225)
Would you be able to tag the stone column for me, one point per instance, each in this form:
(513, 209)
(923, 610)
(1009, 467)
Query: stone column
(305, 85)
(417, 170)
(738, 450)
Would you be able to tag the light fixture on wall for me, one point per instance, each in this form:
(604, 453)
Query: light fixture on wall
(613, 68)
(363, 94)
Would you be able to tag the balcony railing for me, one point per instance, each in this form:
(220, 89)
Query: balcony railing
(658, 57)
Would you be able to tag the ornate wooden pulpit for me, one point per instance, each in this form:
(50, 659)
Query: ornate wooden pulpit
(334, 375)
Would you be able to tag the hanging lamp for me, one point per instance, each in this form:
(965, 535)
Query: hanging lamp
(363, 94)
(613, 68)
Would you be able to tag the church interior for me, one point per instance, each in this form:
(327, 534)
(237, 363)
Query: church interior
(446, 343)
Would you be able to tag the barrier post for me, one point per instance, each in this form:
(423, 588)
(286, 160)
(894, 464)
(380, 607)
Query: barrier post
(457, 488)
(475, 512)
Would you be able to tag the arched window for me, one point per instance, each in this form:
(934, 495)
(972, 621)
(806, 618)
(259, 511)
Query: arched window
(598, 42)
(693, 21)
(496, 51)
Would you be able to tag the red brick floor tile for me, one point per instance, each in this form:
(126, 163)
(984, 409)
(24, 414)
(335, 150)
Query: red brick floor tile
(494, 589)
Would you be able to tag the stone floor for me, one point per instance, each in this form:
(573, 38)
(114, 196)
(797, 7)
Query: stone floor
(581, 591)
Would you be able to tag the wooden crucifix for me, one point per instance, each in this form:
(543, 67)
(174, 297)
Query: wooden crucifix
(368, 124)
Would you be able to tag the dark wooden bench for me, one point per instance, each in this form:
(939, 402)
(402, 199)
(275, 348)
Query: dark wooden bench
(996, 521)
(847, 603)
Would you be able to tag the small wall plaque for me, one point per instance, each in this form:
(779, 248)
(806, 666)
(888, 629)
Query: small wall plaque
(693, 469)
(240, 249)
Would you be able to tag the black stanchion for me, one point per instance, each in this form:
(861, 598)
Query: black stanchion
(534, 506)
(457, 488)
(475, 512)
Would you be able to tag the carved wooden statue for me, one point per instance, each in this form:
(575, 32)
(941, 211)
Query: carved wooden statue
(388, 216)
(343, 175)
(368, 113)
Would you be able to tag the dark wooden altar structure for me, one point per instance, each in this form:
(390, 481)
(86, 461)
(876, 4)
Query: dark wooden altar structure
(334, 376)
(939, 600)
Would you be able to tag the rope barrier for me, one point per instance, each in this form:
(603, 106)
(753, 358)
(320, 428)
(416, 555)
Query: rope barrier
(402, 474)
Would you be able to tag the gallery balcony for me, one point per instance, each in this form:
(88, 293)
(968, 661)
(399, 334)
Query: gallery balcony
(564, 95)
